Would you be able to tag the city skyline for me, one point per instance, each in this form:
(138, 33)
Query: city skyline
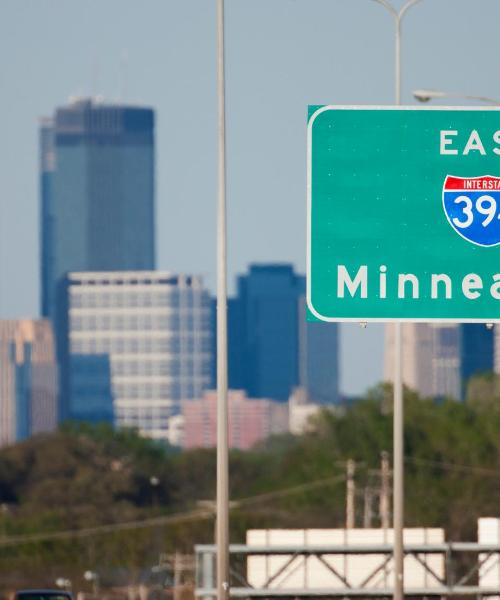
(173, 70)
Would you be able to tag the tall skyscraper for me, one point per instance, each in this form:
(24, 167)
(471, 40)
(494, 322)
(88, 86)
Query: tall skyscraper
(138, 344)
(28, 380)
(264, 332)
(272, 349)
(97, 192)
(97, 203)
(476, 352)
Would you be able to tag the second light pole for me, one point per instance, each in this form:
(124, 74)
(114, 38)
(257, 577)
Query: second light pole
(398, 414)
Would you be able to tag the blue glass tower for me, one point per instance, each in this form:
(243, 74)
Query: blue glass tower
(477, 351)
(97, 192)
(97, 203)
(272, 348)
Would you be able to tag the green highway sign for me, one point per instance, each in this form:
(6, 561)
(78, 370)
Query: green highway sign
(403, 214)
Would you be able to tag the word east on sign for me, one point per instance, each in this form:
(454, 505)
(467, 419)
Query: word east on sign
(403, 214)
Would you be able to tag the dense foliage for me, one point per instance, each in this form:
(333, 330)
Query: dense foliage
(86, 477)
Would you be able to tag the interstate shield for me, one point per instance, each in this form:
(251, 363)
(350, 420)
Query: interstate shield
(472, 207)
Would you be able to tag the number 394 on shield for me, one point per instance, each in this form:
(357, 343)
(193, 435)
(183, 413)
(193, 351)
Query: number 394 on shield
(472, 207)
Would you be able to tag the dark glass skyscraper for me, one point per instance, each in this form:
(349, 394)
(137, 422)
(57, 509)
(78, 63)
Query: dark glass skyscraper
(476, 352)
(97, 202)
(97, 192)
(272, 348)
(264, 332)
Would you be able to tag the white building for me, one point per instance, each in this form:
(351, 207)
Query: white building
(138, 344)
(301, 411)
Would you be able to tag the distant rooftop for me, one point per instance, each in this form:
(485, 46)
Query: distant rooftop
(93, 118)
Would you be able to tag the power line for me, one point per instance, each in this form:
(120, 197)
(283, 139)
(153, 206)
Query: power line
(194, 515)
(201, 514)
(453, 466)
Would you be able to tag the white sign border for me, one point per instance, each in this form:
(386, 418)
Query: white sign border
(310, 306)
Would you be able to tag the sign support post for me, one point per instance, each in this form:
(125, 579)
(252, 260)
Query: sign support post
(398, 465)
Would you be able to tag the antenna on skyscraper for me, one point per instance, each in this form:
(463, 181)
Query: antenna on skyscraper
(94, 85)
(123, 75)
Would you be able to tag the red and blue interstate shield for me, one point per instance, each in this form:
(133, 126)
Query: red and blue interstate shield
(471, 205)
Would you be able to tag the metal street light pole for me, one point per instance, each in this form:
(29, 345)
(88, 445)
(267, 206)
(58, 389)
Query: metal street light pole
(398, 414)
(426, 95)
(222, 527)
(398, 17)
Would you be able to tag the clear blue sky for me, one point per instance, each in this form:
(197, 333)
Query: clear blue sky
(281, 56)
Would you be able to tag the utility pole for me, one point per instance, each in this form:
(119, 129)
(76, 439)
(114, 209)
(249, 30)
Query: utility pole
(368, 512)
(177, 575)
(351, 490)
(385, 488)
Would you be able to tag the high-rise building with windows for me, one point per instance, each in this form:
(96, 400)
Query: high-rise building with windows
(440, 358)
(430, 358)
(476, 352)
(272, 348)
(28, 380)
(138, 344)
(264, 332)
(97, 199)
(319, 359)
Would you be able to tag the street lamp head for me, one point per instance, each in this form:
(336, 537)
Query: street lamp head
(90, 576)
(426, 95)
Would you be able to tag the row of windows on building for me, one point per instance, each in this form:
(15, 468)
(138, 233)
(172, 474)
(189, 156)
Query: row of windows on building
(186, 387)
(178, 320)
(142, 367)
(174, 367)
(130, 299)
(140, 345)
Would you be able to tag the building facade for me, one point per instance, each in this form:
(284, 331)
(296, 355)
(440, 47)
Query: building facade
(138, 343)
(97, 199)
(430, 358)
(318, 359)
(250, 420)
(272, 347)
(440, 358)
(28, 380)
(477, 351)
(97, 192)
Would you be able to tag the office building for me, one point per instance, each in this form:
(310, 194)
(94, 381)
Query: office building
(440, 358)
(476, 351)
(272, 348)
(264, 332)
(250, 420)
(28, 380)
(430, 358)
(97, 199)
(138, 343)
(318, 358)
(97, 192)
